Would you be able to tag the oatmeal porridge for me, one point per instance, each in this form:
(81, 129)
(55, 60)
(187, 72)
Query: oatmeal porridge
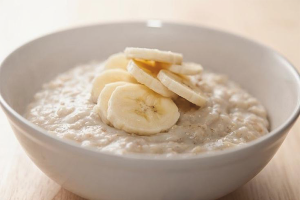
(223, 116)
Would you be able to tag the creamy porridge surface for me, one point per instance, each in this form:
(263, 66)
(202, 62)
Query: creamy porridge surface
(231, 117)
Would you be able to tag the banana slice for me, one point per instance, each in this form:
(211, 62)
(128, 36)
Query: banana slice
(146, 75)
(135, 108)
(181, 86)
(187, 68)
(109, 76)
(116, 61)
(102, 103)
(153, 54)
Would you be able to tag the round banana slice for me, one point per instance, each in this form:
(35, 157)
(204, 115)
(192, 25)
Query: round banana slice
(135, 108)
(109, 76)
(187, 68)
(102, 103)
(116, 61)
(181, 86)
(146, 75)
(153, 54)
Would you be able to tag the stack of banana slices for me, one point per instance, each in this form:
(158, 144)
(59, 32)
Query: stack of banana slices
(135, 92)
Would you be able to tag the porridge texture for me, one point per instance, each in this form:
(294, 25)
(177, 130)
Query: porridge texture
(231, 117)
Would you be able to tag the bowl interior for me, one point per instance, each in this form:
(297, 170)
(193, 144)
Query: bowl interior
(259, 70)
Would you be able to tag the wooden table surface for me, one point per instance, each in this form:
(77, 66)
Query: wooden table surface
(275, 23)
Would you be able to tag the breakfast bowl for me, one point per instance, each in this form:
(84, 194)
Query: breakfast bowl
(95, 174)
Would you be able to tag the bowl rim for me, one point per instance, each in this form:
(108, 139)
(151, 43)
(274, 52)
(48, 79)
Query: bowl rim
(158, 24)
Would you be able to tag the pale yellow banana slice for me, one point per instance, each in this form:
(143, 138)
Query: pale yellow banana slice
(147, 75)
(135, 108)
(116, 61)
(153, 54)
(181, 86)
(186, 68)
(105, 94)
(109, 76)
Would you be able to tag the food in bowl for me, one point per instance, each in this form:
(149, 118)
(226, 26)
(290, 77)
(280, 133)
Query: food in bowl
(148, 101)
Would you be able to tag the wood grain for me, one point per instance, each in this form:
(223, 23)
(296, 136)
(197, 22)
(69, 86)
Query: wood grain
(275, 23)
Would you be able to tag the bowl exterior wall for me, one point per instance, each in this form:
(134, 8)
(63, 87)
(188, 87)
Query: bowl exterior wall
(102, 178)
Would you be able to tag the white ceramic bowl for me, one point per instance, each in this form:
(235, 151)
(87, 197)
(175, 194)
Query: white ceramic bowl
(95, 175)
